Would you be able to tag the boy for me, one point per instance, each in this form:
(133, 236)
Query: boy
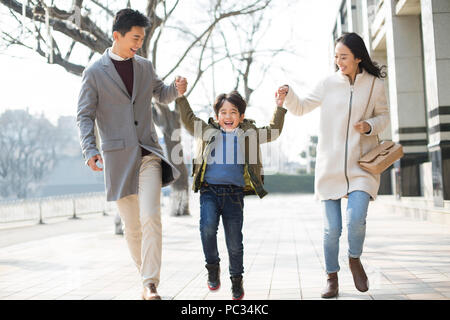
(227, 167)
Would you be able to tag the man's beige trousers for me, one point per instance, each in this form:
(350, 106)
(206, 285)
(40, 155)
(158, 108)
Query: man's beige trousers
(141, 215)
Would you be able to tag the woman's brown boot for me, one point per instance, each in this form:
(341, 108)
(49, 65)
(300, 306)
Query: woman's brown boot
(359, 275)
(332, 288)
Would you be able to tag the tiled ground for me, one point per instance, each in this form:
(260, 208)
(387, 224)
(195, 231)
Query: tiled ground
(84, 259)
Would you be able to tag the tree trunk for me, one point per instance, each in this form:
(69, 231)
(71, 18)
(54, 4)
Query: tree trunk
(169, 122)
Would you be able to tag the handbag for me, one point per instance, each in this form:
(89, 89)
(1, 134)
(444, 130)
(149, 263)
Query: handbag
(383, 155)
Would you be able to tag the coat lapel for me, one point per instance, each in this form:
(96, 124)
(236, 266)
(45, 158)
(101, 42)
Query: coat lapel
(112, 72)
(136, 78)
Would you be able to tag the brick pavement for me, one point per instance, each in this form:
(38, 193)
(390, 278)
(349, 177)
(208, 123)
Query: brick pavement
(404, 258)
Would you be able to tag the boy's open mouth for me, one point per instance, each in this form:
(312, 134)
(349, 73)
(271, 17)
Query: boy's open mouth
(133, 50)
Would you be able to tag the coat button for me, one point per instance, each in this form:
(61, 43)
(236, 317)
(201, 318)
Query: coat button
(135, 123)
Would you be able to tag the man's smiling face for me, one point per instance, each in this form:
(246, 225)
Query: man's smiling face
(229, 117)
(130, 43)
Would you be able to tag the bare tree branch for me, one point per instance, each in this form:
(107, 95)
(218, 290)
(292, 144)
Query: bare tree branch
(155, 22)
(161, 28)
(107, 10)
(88, 34)
(244, 11)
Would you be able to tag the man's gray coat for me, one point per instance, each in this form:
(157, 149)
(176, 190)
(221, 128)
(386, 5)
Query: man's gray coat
(124, 123)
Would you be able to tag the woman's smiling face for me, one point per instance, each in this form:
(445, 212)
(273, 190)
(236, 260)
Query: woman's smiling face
(345, 60)
(229, 117)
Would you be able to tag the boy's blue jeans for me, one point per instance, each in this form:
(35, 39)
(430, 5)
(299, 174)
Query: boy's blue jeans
(226, 201)
(357, 205)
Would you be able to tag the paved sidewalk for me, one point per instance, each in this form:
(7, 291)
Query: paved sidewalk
(84, 259)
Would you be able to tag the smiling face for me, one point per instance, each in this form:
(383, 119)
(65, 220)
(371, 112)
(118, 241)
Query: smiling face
(127, 45)
(229, 117)
(345, 60)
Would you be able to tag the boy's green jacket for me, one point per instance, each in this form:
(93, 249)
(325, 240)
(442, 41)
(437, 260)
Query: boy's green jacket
(205, 133)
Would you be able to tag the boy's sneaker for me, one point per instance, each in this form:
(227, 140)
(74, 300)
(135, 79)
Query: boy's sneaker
(213, 276)
(237, 289)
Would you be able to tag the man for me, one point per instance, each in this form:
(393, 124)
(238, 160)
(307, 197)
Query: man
(116, 93)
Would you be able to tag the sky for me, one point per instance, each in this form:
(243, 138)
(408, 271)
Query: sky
(27, 81)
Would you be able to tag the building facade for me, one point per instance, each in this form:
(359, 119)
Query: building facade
(412, 39)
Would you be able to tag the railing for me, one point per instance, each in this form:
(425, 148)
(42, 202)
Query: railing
(378, 19)
(42, 209)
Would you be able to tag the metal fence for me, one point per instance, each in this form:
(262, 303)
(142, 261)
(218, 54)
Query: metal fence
(42, 209)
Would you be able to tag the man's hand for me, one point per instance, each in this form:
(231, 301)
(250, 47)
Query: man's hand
(92, 162)
(181, 85)
(362, 127)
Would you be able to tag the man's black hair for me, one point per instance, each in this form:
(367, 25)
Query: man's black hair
(126, 19)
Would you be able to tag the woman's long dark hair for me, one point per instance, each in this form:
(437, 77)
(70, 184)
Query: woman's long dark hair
(357, 46)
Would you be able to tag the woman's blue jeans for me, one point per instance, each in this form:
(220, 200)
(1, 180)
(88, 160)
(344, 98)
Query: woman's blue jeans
(357, 205)
(226, 201)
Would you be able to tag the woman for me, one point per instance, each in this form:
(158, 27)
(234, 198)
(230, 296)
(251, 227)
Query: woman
(347, 130)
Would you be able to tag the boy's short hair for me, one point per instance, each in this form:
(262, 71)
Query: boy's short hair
(233, 97)
(126, 19)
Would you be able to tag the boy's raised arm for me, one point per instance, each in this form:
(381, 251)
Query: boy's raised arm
(187, 115)
(273, 130)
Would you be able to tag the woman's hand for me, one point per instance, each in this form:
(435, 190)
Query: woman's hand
(280, 95)
(362, 127)
(279, 98)
(283, 89)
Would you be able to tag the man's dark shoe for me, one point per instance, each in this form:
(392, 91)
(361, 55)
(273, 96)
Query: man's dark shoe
(237, 289)
(359, 275)
(332, 288)
(213, 276)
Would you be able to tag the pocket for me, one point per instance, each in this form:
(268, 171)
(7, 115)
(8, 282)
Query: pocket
(237, 199)
(113, 145)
